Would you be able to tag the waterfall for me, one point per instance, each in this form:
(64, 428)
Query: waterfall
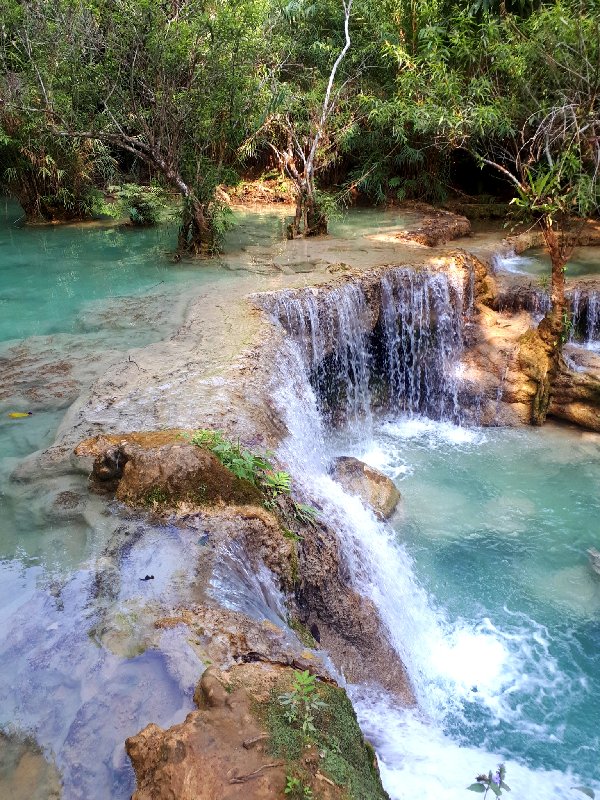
(422, 326)
(394, 345)
(332, 331)
(585, 324)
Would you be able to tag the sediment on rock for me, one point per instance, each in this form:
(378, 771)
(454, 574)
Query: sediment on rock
(439, 227)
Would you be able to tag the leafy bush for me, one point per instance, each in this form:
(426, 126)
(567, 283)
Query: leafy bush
(249, 466)
(144, 205)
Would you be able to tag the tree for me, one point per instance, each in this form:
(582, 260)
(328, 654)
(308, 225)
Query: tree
(301, 136)
(521, 95)
(174, 86)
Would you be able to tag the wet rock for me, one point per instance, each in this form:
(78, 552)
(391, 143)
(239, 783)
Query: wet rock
(440, 227)
(349, 625)
(227, 750)
(594, 557)
(225, 638)
(374, 488)
(576, 398)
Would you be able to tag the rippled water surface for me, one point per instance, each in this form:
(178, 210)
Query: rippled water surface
(497, 523)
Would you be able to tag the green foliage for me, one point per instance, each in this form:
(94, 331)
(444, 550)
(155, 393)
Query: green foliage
(492, 782)
(156, 497)
(249, 466)
(302, 702)
(242, 462)
(296, 789)
(345, 757)
(307, 515)
(144, 205)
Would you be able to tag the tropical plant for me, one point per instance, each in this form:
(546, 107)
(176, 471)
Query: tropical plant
(492, 782)
(302, 702)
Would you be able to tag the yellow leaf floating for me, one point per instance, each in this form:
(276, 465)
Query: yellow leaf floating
(19, 414)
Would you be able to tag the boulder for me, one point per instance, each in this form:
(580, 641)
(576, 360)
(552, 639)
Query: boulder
(439, 227)
(238, 745)
(163, 471)
(374, 488)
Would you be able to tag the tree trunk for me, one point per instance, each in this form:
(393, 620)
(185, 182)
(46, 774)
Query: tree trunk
(552, 329)
(308, 220)
(196, 235)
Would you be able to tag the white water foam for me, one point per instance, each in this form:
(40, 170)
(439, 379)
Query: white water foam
(453, 666)
(418, 760)
(512, 262)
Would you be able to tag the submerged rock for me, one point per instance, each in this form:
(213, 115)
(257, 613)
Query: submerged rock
(594, 556)
(374, 488)
(232, 747)
(25, 774)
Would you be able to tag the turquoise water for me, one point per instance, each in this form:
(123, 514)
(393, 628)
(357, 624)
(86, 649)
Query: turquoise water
(79, 665)
(73, 300)
(49, 275)
(497, 523)
(585, 262)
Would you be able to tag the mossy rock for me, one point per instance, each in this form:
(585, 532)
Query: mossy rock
(161, 470)
(341, 753)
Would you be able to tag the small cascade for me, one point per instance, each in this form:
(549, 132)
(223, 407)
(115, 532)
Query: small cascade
(422, 325)
(332, 330)
(395, 345)
(585, 324)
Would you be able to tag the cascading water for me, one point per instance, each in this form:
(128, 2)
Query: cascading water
(334, 342)
(585, 324)
(396, 346)
(471, 678)
(421, 321)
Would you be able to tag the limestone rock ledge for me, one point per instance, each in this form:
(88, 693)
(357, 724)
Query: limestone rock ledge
(239, 746)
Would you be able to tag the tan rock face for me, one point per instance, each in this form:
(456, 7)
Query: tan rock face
(204, 758)
(161, 468)
(225, 750)
(440, 227)
(25, 774)
(374, 488)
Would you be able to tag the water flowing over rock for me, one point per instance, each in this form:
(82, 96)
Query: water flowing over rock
(390, 340)
(585, 323)
(422, 326)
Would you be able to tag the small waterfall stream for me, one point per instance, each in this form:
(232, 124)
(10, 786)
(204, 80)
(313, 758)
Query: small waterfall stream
(585, 324)
(395, 347)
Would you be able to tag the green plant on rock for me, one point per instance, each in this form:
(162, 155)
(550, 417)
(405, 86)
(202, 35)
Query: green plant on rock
(307, 515)
(296, 789)
(242, 462)
(492, 782)
(245, 464)
(156, 496)
(345, 757)
(302, 702)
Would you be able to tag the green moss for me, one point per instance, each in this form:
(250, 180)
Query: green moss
(156, 497)
(347, 759)
(302, 632)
